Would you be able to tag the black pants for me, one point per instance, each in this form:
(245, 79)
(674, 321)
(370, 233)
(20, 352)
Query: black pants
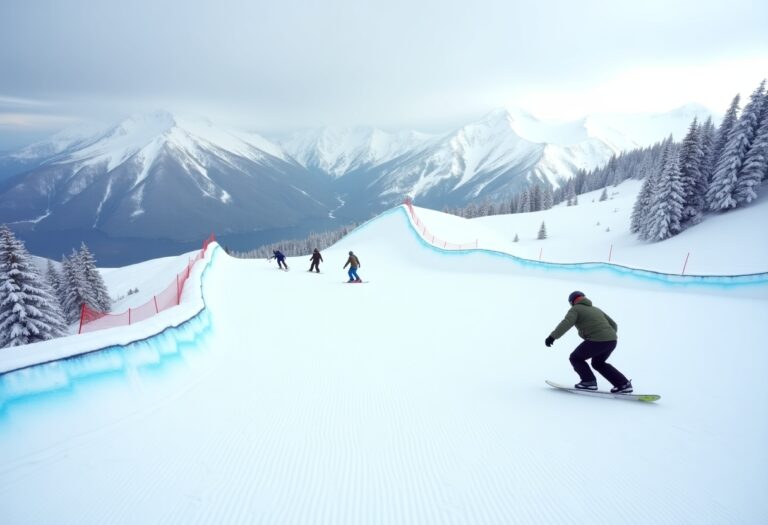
(599, 352)
(316, 266)
(282, 263)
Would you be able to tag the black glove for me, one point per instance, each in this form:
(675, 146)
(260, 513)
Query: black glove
(549, 340)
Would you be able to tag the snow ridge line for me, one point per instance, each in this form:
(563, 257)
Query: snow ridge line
(18, 379)
(721, 281)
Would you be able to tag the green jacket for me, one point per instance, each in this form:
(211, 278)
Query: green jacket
(592, 323)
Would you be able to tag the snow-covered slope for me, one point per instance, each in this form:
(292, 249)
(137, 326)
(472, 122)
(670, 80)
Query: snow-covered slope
(415, 398)
(594, 231)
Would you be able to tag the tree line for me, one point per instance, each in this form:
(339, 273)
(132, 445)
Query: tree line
(711, 170)
(37, 306)
(296, 247)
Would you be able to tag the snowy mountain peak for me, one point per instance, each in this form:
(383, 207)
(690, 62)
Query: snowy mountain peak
(338, 151)
(144, 135)
(154, 123)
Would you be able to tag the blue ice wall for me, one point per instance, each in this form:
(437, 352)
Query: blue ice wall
(752, 284)
(154, 353)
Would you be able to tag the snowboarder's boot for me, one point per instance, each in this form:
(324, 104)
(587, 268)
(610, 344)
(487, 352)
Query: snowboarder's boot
(624, 389)
(586, 385)
(358, 280)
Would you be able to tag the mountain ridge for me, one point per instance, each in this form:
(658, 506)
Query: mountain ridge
(165, 176)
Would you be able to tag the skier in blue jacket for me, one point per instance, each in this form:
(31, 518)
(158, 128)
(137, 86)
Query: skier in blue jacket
(277, 254)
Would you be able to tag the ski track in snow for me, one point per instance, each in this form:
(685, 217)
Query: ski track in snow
(418, 399)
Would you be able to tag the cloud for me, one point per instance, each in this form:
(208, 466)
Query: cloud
(653, 88)
(35, 121)
(15, 102)
(394, 63)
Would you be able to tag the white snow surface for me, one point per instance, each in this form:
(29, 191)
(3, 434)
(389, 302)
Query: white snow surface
(418, 397)
(722, 244)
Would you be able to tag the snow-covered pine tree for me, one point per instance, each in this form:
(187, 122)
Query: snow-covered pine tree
(536, 197)
(612, 174)
(74, 286)
(96, 286)
(604, 195)
(514, 204)
(707, 142)
(721, 192)
(694, 184)
(638, 220)
(53, 277)
(666, 208)
(721, 137)
(570, 192)
(547, 198)
(29, 312)
(542, 231)
(525, 201)
(755, 167)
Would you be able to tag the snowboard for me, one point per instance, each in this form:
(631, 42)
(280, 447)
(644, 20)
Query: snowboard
(602, 393)
(355, 282)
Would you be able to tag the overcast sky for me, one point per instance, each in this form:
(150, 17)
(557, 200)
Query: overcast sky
(423, 64)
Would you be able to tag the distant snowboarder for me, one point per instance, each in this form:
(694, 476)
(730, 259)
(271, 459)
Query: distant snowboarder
(354, 263)
(316, 259)
(599, 333)
(277, 254)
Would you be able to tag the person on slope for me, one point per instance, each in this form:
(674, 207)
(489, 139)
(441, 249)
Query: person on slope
(316, 259)
(277, 254)
(599, 333)
(354, 263)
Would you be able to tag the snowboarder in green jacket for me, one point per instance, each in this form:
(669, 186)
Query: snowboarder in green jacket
(599, 333)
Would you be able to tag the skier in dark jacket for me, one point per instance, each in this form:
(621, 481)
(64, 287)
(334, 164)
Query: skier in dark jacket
(599, 333)
(354, 263)
(316, 259)
(277, 254)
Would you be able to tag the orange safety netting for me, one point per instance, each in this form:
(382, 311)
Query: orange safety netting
(92, 320)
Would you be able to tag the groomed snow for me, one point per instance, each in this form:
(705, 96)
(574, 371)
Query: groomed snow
(416, 398)
(723, 244)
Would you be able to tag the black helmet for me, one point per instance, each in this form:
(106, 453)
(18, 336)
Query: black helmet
(574, 296)
(350, 252)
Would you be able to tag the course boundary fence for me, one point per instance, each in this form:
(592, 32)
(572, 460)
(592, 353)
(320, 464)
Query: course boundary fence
(429, 236)
(92, 320)
(759, 279)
